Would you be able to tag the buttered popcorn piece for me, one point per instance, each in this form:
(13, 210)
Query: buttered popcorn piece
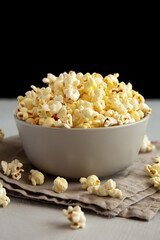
(60, 185)
(106, 189)
(146, 145)
(13, 168)
(1, 135)
(4, 200)
(75, 216)
(89, 181)
(77, 100)
(36, 177)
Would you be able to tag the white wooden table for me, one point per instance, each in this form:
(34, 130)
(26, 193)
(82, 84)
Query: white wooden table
(24, 219)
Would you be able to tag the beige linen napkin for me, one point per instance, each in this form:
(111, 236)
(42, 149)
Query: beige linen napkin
(140, 198)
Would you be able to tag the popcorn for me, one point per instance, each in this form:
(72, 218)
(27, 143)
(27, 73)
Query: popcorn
(99, 105)
(88, 114)
(146, 145)
(154, 172)
(60, 185)
(67, 122)
(156, 181)
(13, 168)
(36, 177)
(58, 98)
(144, 107)
(23, 115)
(112, 80)
(157, 159)
(109, 121)
(92, 180)
(107, 189)
(118, 106)
(81, 101)
(50, 78)
(75, 216)
(47, 122)
(1, 135)
(71, 81)
(71, 94)
(4, 200)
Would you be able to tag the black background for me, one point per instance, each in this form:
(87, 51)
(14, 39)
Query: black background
(36, 41)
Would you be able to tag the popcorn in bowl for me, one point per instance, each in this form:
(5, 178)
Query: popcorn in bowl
(81, 101)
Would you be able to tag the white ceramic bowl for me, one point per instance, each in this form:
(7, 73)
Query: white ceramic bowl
(74, 153)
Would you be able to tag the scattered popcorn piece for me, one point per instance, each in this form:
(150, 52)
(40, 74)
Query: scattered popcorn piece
(4, 200)
(146, 145)
(36, 177)
(157, 159)
(1, 135)
(156, 181)
(13, 168)
(106, 189)
(6, 167)
(116, 193)
(75, 216)
(89, 181)
(153, 170)
(110, 184)
(81, 101)
(60, 185)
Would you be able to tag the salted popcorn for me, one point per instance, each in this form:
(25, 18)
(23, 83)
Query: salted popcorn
(36, 177)
(106, 189)
(1, 135)
(146, 145)
(92, 180)
(13, 168)
(4, 200)
(60, 185)
(77, 100)
(75, 216)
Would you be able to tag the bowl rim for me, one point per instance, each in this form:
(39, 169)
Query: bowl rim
(83, 129)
